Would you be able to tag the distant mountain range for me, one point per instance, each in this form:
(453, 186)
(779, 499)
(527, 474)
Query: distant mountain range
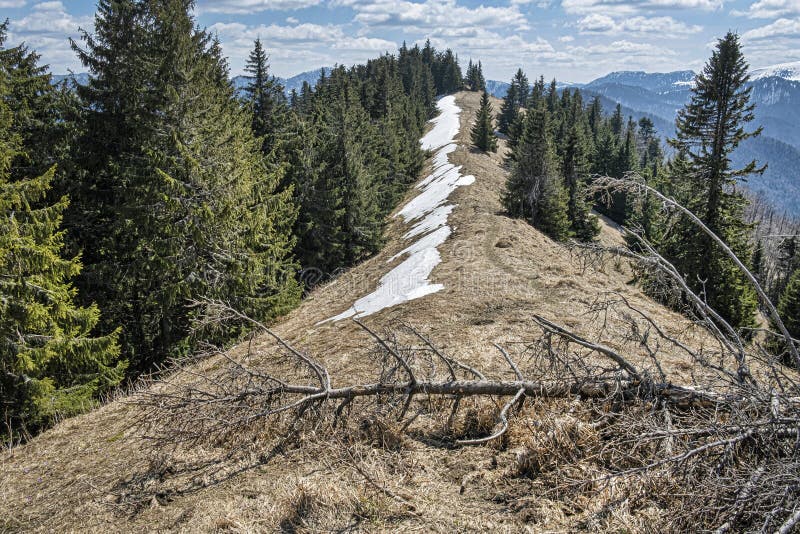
(775, 91)
(295, 82)
(239, 82)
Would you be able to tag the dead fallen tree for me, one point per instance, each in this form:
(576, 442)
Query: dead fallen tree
(716, 447)
(709, 437)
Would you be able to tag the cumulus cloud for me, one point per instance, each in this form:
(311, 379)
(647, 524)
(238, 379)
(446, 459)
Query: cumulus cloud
(628, 7)
(597, 23)
(431, 14)
(297, 47)
(253, 6)
(623, 47)
(12, 3)
(769, 9)
(787, 28)
(47, 28)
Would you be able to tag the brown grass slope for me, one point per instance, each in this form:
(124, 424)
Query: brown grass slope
(97, 473)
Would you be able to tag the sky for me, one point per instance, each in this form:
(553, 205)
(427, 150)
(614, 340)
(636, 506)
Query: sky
(571, 40)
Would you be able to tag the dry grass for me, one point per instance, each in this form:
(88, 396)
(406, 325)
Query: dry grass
(96, 473)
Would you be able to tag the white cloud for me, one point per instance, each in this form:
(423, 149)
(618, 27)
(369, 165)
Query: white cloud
(432, 14)
(12, 3)
(46, 28)
(49, 6)
(787, 28)
(298, 47)
(628, 7)
(566, 38)
(768, 9)
(253, 6)
(596, 23)
(623, 47)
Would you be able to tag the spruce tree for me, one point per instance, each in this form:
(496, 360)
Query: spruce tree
(51, 363)
(482, 134)
(617, 121)
(187, 207)
(709, 128)
(471, 78)
(341, 217)
(509, 110)
(39, 108)
(627, 159)
(534, 191)
(266, 98)
(523, 88)
(595, 116)
(575, 168)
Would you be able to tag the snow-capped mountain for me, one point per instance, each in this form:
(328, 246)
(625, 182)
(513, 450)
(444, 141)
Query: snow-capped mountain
(657, 82)
(787, 71)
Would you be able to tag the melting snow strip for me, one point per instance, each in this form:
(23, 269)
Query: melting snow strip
(429, 212)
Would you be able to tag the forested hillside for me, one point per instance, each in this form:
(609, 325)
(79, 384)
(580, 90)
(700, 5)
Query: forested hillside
(155, 184)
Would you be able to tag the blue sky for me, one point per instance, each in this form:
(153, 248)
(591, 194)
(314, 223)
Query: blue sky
(573, 40)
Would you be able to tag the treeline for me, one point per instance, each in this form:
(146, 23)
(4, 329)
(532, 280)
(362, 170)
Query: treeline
(557, 142)
(126, 201)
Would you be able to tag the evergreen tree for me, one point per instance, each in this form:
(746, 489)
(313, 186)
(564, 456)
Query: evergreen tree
(595, 116)
(787, 261)
(552, 97)
(50, 363)
(474, 79)
(447, 76)
(517, 97)
(534, 190)
(523, 88)
(483, 131)
(509, 110)
(627, 159)
(617, 121)
(537, 93)
(266, 98)
(341, 216)
(709, 129)
(757, 262)
(188, 206)
(39, 107)
(575, 167)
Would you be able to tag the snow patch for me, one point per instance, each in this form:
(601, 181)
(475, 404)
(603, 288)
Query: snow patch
(787, 71)
(410, 279)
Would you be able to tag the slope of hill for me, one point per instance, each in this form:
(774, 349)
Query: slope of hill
(99, 472)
